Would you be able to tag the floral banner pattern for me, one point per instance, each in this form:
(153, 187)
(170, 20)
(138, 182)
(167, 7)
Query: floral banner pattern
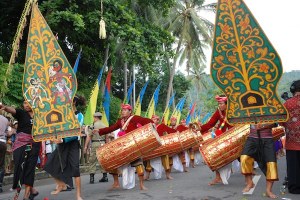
(245, 66)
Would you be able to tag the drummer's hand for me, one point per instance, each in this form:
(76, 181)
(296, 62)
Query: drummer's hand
(95, 131)
(58, 141)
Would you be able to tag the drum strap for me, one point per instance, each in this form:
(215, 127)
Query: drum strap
(124, 127)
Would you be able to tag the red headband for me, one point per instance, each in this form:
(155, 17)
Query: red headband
(155, 117)
(126, 106)
(221, 99)
(183, 121)
(173, 118)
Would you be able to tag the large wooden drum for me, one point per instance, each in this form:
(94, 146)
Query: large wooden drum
(224, 149)
(201, 139)
(173, 143)
(128, 148)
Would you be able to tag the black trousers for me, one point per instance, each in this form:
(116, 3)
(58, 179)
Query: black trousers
(26, 174)
(2, 161)
(293, 171)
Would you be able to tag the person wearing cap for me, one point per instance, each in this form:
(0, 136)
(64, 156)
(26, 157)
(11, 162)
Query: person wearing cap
(97, 141)
(126, 124)
(223, 126)
(162, 130)
(292, 141)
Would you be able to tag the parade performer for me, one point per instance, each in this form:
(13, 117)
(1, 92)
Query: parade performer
(67, 155)
(161, 129)
(190, 152)
(25, 150)
(292, 141)
(181, 155)
(218, 116)
(126, 124)
(97, 141)
(260, 147)
(3, 135)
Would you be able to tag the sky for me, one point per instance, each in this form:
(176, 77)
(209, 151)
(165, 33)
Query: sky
(280, 21)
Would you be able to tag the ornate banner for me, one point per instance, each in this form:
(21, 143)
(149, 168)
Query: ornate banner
(49, 83)
(245, 66)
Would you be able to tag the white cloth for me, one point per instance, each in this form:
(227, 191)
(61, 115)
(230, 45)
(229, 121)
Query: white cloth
(177, 165)
(255, 165)
(197, 158)
(187, 158)
(48, 147)
(225, 173)
(157, 167)
(236, 166)
(128, 176)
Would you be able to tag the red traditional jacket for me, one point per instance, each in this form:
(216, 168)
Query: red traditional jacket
(162, 128)
(217, 116)
(133, 124)
(292, 126)
(180, 128)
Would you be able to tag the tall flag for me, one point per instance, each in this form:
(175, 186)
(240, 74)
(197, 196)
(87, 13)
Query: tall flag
(49, 83)
(206, 118)
(129, 92)
(190, 116)
(165, 117)
(178, 109)
(246, 66)
(75, 68)
(91, 108)
(106, 100)
(138, 104)
(153, 103)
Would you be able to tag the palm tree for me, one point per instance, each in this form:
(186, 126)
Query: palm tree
(192, 31)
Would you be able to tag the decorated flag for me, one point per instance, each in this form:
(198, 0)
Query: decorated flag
(75, 68)
(49, 83)
(138, 104)
(91, 108)
(153, 103)
(106, 100)
(190, 116)
(177, 112)
(246, 66)
(206, 118)
(165, 117)
(129, 92)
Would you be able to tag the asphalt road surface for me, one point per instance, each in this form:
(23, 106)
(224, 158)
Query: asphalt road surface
(192, 185)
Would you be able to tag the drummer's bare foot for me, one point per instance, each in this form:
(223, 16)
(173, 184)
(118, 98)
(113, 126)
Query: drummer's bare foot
(215, 181)
(115, 186)
(142, 187)
(185, 169)
(248, 187)
(58, 189)
(169, 177)
(271, 195)
(79, 198)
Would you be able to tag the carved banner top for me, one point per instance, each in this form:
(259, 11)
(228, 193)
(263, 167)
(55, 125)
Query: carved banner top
(245, 66)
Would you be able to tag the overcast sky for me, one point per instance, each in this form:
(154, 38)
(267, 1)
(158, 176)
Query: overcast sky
(280, 21)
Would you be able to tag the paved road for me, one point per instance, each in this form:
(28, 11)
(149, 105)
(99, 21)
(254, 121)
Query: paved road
(185, 186)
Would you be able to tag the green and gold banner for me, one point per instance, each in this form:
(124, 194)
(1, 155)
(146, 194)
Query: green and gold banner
(49, 83)
(245, 66)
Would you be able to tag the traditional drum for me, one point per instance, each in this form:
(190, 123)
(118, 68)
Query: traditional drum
(173, 144)
(128, 148)
(225, 148)
(202, 139)
(278, 132)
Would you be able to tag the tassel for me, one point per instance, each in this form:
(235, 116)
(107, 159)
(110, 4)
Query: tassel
(102, 31)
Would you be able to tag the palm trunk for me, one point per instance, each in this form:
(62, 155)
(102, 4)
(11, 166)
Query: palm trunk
(172, 72)
(125, 78)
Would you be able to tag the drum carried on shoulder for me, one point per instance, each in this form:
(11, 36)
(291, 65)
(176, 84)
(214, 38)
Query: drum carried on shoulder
(224, 149)
(128, 148)
(174, 143)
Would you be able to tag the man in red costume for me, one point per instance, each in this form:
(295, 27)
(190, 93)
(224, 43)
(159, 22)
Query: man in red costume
(223, 126)
(162, 130)
(126, 124)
